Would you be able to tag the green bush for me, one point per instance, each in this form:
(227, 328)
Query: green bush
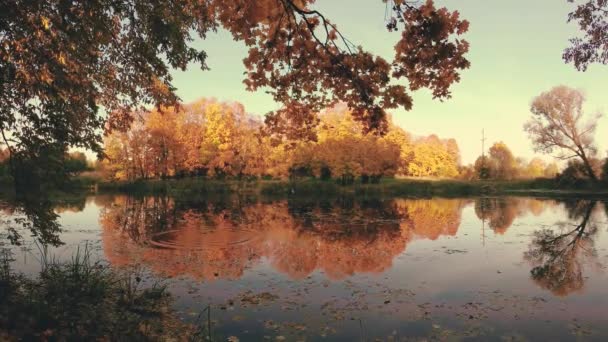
(83, 300)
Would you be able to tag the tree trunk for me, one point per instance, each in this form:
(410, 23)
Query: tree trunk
(588, 167)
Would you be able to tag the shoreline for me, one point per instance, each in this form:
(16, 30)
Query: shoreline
(385, 188)
(314, 188)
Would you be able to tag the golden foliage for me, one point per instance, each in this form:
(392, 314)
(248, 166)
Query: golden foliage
(221, 140)
(217, 241)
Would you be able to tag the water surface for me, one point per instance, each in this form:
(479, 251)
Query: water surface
(353, 269)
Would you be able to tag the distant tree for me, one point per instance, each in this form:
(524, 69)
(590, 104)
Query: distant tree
(592, 18)
(431, 160)
(453, 149)
(75, 162)
(551, 170)
(502, 162)
(218, 139)
(535, 168)
(467, 172)
(557, 124)
(498, 164)
(401, 138)
(482, 167)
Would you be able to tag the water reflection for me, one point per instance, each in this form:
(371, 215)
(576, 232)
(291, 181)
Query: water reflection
(223, 238)
(560, 255)
(32, 215)
(216, 240)
(342, 237)
(500, 212)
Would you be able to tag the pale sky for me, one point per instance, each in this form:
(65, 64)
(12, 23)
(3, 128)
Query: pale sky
(516, 53)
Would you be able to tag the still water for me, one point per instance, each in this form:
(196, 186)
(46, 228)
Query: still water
(349, 269)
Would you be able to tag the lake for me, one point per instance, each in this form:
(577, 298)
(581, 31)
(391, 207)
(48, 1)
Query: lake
(500, 268)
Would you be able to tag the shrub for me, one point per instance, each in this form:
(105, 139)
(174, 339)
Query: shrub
(83, 301)
(574, 175)
(604, 175)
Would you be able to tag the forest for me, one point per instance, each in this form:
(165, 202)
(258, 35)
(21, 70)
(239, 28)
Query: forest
(333, 122)
(294, 170)
(208, 139)
(219, 140)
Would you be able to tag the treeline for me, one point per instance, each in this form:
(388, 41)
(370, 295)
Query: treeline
(213, 139)
(500, 164)
(53, 166)
(208, 138)
(219, 139)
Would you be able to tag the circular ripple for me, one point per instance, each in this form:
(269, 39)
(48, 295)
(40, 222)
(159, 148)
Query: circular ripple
(202, 238)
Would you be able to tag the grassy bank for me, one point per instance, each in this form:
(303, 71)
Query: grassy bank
(386, 187)
(73, 185)
(82, 300)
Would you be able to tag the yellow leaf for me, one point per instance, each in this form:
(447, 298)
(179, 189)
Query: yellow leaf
(46, 23)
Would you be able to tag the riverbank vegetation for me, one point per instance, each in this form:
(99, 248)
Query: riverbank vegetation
(217, 140)
(385, 187)
(84, 300)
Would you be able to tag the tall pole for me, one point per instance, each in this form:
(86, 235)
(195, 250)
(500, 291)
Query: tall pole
(483, 146)
(483, 165)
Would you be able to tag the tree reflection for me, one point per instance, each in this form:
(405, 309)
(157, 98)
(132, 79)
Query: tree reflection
(430, 219)
(501, 212)
(559, 257)
(34, 215)
(209, 240)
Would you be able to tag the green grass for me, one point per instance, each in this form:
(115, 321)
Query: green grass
(387, 187)
(83, 300)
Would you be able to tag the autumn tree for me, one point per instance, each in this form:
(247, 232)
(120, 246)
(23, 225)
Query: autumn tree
(129, 154)
(551, 170)
(432, 157)
(162, 140)
(592, 47)
(64, 64)
(557, 123)
(219, 139)
(199, 138)
(467, 172)
(398, 136)
(190, 126)
(481, 167)
(228, 140)
(501, 162)
(535, 168)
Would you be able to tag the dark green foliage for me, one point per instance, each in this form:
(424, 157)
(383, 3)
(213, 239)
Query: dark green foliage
(384, 187)
(75, 163)
(45, 169)
(484, 173)
(574, 175)
(325, 173)
(81, 300)
(604, 175)
(346, 179)
(296, 172)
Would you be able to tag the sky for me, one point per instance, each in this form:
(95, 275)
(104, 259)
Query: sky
(516, 54)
